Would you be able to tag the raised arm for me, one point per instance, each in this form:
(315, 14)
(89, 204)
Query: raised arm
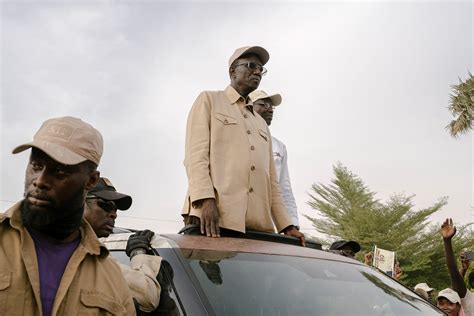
(448, 230)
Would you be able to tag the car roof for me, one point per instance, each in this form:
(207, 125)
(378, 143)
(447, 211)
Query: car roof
(226, 244)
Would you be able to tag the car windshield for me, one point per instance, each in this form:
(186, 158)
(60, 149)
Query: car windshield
(257, 284)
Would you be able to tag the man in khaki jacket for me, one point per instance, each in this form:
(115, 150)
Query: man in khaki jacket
(51, 262)
(232, 182)
(102, 204)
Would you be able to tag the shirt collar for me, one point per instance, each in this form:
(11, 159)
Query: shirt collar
(235, 97)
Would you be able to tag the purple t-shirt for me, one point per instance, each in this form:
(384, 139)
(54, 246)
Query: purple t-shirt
(52, 260)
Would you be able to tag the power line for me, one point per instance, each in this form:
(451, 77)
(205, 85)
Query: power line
(8, 201)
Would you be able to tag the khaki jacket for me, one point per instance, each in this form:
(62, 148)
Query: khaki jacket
(142, 282)
(91, 284)
(228, 156)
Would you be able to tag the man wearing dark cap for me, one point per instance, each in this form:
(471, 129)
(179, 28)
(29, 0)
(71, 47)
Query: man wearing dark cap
(51, 262)
(232, 182)
(264, 105)
(347, 248)
(102, 204)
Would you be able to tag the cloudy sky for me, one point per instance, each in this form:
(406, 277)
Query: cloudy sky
(366, 84)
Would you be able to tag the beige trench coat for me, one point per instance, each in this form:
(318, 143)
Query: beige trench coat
(228, 156)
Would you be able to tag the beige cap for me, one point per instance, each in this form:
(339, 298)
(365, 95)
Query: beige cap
(260, 94)
(257, 50)
(67, 140)
(450, 294)
(424, 287)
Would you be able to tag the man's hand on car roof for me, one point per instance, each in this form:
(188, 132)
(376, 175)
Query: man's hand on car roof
(210, 218)
(292, 231)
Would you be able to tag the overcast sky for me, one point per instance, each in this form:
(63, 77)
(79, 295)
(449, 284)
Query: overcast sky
(364, 84)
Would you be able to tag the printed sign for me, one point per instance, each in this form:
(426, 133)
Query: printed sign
(384, 260)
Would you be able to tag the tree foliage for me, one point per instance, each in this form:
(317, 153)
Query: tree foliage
(462, 107)
(349, 210)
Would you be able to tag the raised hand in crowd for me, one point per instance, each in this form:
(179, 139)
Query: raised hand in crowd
(368, 257)
(398, 272)
(448, 230)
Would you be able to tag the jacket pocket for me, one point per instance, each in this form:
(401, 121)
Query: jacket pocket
(97, 303)
(263, 134)
(226, 119)
(5, 283)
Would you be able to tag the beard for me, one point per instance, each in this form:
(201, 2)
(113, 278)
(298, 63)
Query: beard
(54, 221)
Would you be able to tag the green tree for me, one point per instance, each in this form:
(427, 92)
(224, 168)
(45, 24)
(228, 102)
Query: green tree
(462, 107)
(348, 209)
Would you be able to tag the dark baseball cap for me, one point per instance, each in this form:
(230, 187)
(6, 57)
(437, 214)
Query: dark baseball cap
(106, 191)
(338, 245)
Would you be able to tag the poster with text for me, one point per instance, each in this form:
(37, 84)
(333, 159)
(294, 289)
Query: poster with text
(384, 260)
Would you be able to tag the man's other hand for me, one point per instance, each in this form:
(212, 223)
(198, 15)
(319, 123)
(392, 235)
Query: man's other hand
(210, 218)
(141, 240)
(292, 231)
(448, 230)
(368, 257)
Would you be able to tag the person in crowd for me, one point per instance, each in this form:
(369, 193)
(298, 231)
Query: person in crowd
(347, 248)
(397, 272)
(424, 291)
(51, 262)
(102, 203)
(232, 182)
(465, 263)
(264, 105)
(448, 230)
(449, 302)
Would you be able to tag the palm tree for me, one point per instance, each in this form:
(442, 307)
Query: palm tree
(462, 107)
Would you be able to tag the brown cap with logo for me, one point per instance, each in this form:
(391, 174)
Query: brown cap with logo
(67, 140)
(106, 191)
(261, 52)
(260, 94)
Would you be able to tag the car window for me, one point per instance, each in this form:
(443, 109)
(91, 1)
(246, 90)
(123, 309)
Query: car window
(256, 284)
(168, 300)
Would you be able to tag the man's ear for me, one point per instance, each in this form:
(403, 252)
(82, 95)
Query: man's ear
(94, 177)
(231, 71)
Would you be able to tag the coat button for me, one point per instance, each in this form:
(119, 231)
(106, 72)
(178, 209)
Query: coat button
(251, 190)
(248, 132)
(245, 116)
(226, 121)
(252, 147)
(252, 168)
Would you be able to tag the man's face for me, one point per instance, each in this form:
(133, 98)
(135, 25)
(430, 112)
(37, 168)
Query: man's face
(348, 251)
(101, 215)
(54, 194)
(243, 76)
(264, 107)
(452, 309)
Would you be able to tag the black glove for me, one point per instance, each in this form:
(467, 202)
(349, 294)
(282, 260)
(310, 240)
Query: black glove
(140, 240)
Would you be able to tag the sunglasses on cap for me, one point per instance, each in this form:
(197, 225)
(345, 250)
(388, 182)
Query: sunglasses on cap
(107, 206)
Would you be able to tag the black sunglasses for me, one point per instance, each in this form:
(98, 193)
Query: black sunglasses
(107, 206)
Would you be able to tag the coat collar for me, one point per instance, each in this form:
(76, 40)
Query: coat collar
(88, 237)
(235, 97)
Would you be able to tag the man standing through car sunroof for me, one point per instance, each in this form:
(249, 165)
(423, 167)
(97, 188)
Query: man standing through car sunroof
(51, 262)
(264, 105)
(232, 181)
